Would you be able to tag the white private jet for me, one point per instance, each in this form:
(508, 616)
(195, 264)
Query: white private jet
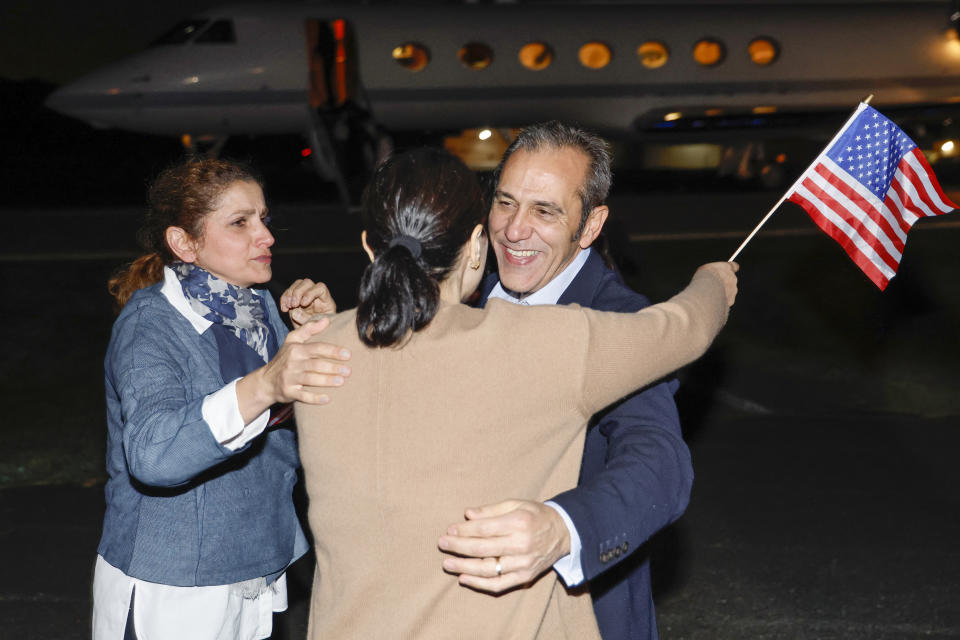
(330, 70)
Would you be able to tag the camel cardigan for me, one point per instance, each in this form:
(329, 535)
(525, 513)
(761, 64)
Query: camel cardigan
(479, 405)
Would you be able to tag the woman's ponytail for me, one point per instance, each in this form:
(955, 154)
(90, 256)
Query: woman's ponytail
(418, 212)
(396, 296)
(142, 272)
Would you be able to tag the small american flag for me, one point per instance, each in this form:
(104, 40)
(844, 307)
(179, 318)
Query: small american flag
(867, 189)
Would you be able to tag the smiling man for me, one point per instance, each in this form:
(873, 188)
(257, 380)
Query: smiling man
(548, 208)
(536, 226)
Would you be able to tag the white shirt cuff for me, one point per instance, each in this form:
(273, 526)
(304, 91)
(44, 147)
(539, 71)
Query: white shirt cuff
(569, 567)
(221, 412)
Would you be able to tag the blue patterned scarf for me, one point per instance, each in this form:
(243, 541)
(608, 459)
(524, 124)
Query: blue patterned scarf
(239, 308)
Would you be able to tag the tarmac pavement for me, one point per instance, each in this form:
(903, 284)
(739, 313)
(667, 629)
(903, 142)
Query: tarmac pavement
(799, 527)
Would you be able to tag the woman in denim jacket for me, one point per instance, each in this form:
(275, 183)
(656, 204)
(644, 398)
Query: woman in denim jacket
(200, 523)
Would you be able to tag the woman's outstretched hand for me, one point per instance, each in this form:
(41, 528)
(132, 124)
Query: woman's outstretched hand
(726, 273)
(299, 363)
(306, 299)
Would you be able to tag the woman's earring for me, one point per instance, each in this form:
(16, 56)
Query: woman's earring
(475, 265)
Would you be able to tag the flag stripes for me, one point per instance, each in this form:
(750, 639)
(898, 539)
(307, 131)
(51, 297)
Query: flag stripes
(881, 222)
(849, 208)
(857, 247)
(913, 179)
(926, 176)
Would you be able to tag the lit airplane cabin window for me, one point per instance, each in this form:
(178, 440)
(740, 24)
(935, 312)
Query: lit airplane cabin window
(411, 56)
(535, 56)
(709, 52)
(595, 55)
(763, 51)
(653, 55)
(475, 55)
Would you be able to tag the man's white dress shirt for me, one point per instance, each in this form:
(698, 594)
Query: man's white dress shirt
(569, 567)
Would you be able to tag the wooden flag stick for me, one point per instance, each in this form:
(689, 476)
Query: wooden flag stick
(802, 176)
(757, 228)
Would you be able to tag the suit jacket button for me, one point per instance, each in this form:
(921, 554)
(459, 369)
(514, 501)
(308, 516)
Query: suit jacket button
(617, 552)
(625, 546)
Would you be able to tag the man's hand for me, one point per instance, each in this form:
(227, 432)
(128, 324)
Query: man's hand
(523, 538)
(306, 299)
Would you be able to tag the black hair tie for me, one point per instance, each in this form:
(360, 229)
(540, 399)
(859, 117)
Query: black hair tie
(409, 243)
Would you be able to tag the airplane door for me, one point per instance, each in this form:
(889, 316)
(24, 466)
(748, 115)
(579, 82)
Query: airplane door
(332, 63)
(344, 132)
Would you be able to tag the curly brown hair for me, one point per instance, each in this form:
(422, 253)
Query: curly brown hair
(181, 196)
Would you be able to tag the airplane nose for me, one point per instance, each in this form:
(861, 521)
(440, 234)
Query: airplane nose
(102, 98)
(76, 102)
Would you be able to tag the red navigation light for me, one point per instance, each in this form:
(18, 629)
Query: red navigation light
(306, 152)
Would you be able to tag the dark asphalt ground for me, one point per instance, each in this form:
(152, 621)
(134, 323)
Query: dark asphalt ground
(824, 423)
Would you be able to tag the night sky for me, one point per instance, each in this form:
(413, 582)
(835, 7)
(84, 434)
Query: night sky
(59, 40)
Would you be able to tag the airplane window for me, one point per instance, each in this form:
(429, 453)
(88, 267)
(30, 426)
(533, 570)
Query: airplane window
(220, 32)
(595, 55)
(475, 55)
(653, 54)
(180, 33)
(709, 52)
(411, 55)
(763, 51)
(535, 56)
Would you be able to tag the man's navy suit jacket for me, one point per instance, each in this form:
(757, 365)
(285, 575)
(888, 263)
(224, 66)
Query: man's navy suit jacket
(635, 477)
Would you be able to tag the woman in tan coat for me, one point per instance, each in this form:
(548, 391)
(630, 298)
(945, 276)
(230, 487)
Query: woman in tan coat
(435, 415)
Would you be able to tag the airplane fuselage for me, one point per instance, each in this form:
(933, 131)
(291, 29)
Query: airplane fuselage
(827, 56)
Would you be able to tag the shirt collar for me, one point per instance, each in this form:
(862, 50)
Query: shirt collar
(550, 292)
(173, 292)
